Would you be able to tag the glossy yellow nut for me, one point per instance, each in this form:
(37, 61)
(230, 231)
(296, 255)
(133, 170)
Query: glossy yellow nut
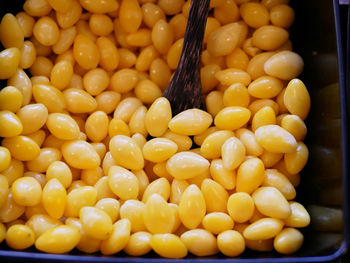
(250, 175)
(99, 6)
(231, 243)
(126, 152)
(249, 141)
(4, 189)
(236, 95)
(240, 206)
(96, 126)
(96, 223)
(79, 101)
(13, 171)
(61, 171)
(130, 15)
(10, 99)
(86, 244)
(107, 101)
(126, 108)
(262, 229)
(278, 180)
(133, 210)
(158, 117)
(85, 52)
(295, 125)
(270, 159)
(10, 210)
(265, 87)
(217, 222)
(118, 239)
(46, 31)
(288, 241)
(282, 15)
(159, 149)
(123, 183)
(177, 188)
(147, 91)
(11, 33)
(10, 124)
(190, 122)
(284, 65)
(270, 202)
(200, 242)
(162, 36)
(168, 246)
(215, 196)
(50, 96)
(22, 147)
(61, 74)
(232, 76)
(192, 207)
(224, 39)
(109, 59)
(63, 126)
(275, 139)
(211, 146)
(233, 153)
(185, 165)
(40, 223)
(297, 98)
(21, 81)
(46, 157)
(19, 237)
(111, 206)
(9, 61)
(183, 142)
(2, 232)
(159, 186)
(254, 14)
(54, 197)
(103, 189)
(80, 154)
(264, 116)
(139, 244)
(299, 216)
(58, 240)
(5, 158)
(26, 191)
(124, 80)
(78, 198)
(232, 118)
(225, 177)
(269, 37)
(158, 216)
(33, 117)
(137, 122)
(118, 127)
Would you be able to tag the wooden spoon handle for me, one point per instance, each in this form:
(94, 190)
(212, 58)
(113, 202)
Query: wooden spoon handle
(193, 42)
(185, 90)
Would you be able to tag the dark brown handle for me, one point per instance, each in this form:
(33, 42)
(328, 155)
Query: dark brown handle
(185, 90)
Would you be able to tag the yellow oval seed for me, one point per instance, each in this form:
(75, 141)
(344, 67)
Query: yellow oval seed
(168, 246)
(263, 229)
(270, 202)
(185, 165)
(123, 183)
(232, 118)
(80, 154)
(190, 122)
(126, 152)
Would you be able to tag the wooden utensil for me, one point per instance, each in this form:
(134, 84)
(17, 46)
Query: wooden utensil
(185, 90)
